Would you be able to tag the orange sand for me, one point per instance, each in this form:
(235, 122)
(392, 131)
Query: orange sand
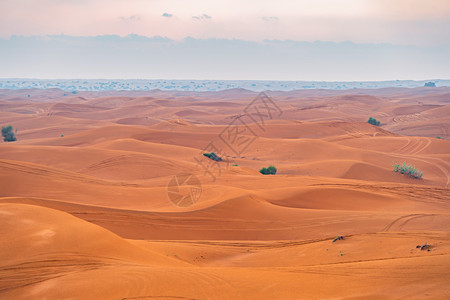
(87, 215)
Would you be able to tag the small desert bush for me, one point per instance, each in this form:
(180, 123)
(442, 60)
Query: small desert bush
(373, 121)
(408, 170)
(213, 156)
(271, 170)
(8, 134)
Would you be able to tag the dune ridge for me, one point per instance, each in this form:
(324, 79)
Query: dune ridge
(85, 211)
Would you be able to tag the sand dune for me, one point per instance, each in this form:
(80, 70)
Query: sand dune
(196, 269)
(86, 214)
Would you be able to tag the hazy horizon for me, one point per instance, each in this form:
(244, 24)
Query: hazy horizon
(75, 85)
(134, 56)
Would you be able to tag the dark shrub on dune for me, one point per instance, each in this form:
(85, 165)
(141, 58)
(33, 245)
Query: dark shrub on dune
(373, 121)
(8, 134)
(213, 156)
(271, 170)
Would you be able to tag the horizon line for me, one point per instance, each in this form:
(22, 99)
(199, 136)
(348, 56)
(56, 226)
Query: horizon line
(215, 79)
(186, 38)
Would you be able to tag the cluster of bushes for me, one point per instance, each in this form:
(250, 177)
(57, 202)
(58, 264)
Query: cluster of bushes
(373, 121)
(213, 156)
(271, 170)
(8, 134)
(409, 170)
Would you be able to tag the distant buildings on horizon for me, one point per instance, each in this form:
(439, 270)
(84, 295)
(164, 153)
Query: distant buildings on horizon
(205, 85)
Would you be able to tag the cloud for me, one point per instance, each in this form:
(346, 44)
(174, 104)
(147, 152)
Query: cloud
(406, 22)
(270, 19)
(130, 18)
(202, 17)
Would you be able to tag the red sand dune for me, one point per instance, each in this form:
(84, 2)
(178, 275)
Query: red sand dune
(87, 215)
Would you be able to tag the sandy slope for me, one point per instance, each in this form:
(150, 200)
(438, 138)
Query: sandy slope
(87, 216)
(54, 255)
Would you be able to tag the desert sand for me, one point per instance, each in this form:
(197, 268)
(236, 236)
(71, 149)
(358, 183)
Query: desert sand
(85, 211)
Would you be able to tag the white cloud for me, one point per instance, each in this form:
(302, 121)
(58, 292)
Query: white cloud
(130, 18)
(202, 17)
(270, 19)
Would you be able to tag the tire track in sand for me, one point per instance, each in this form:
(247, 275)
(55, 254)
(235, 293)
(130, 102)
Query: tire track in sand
(405, 220)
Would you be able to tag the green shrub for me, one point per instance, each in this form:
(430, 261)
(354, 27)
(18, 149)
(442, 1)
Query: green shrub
(213, 156)
(271, 170)
(373, 121)
(8, 134)
(408, 170)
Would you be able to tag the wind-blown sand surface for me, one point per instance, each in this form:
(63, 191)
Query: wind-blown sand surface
(85, 211)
